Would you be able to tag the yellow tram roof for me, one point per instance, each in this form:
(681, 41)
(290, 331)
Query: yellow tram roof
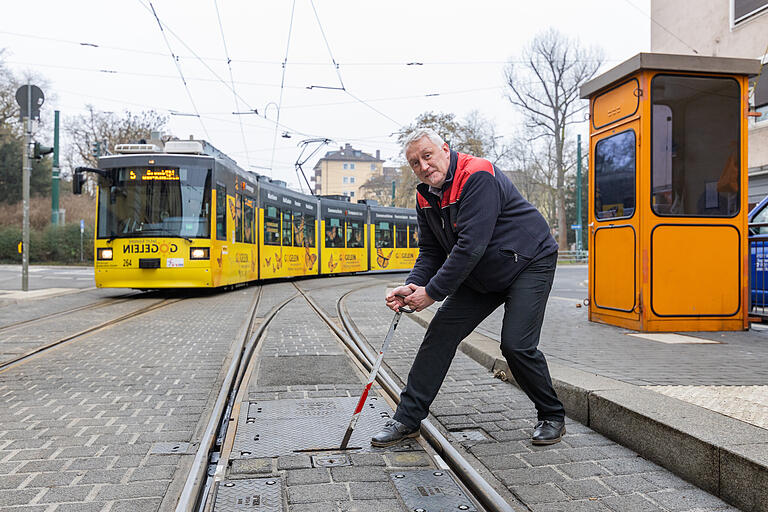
(671, 62)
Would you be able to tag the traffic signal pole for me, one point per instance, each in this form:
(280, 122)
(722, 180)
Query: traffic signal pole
(26, 172)
(55, 173)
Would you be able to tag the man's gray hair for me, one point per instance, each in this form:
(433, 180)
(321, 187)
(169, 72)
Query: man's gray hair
(422, 132)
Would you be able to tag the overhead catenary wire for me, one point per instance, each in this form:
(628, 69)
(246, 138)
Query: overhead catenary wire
(232, 80)
(662, 26)
(178, 68)
(282, 84)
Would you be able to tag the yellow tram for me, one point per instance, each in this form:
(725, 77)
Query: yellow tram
(186, 216)
(668, 193)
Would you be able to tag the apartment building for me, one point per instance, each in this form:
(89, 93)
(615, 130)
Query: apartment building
(343, 172)
(723, 28)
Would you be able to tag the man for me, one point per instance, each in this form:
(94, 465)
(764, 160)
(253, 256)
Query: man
(480, 245)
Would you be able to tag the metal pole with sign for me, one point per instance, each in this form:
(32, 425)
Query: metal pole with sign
(82, 228)
(578, 190)
(30, 98)
(55, 171)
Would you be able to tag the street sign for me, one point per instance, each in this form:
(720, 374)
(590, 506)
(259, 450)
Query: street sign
(82, 226)
(575, 226)
(37, 99)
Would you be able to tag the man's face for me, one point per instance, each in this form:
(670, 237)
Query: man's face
(429, 161)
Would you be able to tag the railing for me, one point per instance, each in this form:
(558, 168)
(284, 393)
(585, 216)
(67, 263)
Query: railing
(758, 273)
(572, 256)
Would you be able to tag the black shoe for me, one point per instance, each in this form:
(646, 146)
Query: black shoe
(393, 432)
(548, 432)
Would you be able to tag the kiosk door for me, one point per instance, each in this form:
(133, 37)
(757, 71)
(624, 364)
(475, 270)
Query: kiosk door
(614, 223)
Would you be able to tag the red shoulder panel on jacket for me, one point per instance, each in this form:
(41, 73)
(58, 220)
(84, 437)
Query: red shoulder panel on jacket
(466, 166)
(422, 202)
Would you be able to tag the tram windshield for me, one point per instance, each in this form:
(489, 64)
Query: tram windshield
(155, 201)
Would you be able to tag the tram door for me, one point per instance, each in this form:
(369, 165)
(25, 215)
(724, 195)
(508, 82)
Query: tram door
(614, 222)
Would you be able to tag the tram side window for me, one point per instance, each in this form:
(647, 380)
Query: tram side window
(354, 234)
(238, 218)
(271, 226)
(221, 212)
(309, 230)
(615, 176)
(334, 232)
(695, 155)
(287, 235)
(413, 238)
(385, 236)
(401, 236)
(298, 229)
(248, 224)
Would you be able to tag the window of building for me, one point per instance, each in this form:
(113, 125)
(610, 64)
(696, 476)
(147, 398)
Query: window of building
(271, 226)
(352, 166)
(385, 235)
(615, 176)
(695, 148)
(345, 180)
(346, 166)
(221, 212)
(373, 167)
(744, 9)
(355, 234)
(351, 179)
(352, 193)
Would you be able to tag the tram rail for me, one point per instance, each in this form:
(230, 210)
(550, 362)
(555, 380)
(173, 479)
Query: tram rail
(22, 358)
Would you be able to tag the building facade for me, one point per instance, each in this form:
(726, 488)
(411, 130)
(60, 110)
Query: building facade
(343, 172)
(723, 28)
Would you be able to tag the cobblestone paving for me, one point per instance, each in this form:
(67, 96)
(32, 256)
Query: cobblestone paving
(18, 340)
(746, 403)
(273, 294)
(19, 311)
(585, 471)
(365, 486)
(77, 424)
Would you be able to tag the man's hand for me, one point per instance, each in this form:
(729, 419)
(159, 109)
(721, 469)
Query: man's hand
(418, 299)
(395, 298)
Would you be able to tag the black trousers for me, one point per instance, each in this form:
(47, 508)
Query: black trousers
(524, 305)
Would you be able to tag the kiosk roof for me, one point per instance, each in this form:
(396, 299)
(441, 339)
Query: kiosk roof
(670, 62)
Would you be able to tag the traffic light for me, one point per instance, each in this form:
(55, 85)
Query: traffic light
(96, 149)
(40, 150)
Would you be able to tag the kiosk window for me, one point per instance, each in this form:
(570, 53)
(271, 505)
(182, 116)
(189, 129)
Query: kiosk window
(221, 212)
(695, 156)
(385, 235)
(413, 239)
(271, 226)
(238, 218)
(248, 225)
(334, 232)
(354, 234)
(615, 176)
(309, 230)
(287, 229)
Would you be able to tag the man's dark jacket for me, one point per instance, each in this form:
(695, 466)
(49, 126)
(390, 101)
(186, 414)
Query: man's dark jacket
(481, 233)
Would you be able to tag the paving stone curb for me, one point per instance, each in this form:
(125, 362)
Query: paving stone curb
(722, 455)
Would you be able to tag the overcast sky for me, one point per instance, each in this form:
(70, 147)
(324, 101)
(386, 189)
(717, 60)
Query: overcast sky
(462, 45)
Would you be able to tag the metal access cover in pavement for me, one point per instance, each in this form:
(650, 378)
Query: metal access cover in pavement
(431, 491)
(261, 494)
(282, 427)
(469, 435)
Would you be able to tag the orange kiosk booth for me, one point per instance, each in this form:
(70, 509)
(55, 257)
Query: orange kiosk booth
(668, 193)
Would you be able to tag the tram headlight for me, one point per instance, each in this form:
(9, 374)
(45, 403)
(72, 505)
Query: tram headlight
(199, 253)
(104, 254)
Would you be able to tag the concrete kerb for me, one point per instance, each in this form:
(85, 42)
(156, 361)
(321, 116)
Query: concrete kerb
(722, 455)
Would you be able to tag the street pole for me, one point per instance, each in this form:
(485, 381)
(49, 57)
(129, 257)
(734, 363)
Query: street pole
(578, 191)
(26, 172)
(393, 192)
(55, 173)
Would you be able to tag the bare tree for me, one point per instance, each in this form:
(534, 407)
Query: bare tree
(544, 85)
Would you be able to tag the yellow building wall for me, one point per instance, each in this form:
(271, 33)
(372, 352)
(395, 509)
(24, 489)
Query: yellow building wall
(333, 173)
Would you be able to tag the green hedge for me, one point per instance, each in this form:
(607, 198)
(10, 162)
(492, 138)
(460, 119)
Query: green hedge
(54, 244)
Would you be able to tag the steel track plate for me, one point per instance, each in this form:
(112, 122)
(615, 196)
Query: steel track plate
(282, 427)
(257, 494)
(431, 491)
